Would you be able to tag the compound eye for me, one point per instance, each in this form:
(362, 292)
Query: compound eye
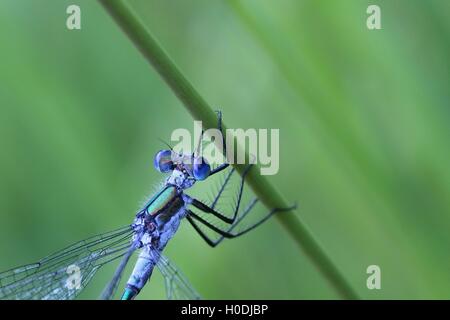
(163, 161)
(201, 169)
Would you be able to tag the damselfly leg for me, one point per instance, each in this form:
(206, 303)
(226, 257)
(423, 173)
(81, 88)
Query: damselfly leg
(206, 217)
(234, 225)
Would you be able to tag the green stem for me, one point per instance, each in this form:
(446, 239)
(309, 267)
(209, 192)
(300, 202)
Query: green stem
(199, 109)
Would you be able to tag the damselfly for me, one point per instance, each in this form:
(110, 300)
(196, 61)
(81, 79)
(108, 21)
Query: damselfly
(65, 273)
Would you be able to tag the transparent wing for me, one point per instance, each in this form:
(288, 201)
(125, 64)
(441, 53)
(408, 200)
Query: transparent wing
(111, 288)
(177, 285)
(65, 273)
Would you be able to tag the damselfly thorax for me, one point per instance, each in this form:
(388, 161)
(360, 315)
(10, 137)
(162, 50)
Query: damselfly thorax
(158, 221)
(162, 207)
(154, 226)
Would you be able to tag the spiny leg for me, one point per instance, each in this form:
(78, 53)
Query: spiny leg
(196, 152)
(194, 219)
(224, 232)
(202, 234)
(222, 188)
(211, 209)
(224, 145)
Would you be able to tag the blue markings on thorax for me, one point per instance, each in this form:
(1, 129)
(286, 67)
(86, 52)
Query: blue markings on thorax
(161, 199)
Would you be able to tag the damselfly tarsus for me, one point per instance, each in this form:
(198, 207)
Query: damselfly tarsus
(65, 273)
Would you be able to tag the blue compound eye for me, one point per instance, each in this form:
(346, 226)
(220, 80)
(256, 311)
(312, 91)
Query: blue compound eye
(163, 161)
(201, 169)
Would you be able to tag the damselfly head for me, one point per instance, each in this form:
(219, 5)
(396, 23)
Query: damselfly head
(190, 165)
(196, 166)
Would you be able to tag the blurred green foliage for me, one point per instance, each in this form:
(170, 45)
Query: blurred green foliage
(363, 118)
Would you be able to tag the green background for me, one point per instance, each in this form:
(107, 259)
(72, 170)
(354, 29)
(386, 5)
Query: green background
(364, 135)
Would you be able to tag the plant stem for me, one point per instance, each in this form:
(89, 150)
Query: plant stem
(199, 109)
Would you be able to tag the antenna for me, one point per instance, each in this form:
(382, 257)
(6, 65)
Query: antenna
(161, 140)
